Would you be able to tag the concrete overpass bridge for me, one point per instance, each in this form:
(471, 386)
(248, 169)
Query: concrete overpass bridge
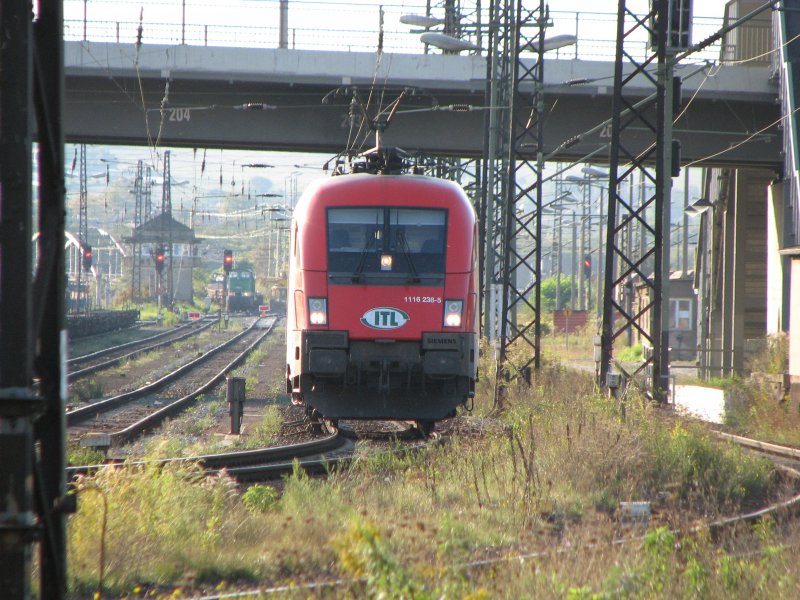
(271, 99)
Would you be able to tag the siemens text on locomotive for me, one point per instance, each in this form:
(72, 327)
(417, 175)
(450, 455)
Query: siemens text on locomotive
(381, 311)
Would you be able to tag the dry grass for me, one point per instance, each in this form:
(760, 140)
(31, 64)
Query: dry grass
(534, 491)
(753, 410)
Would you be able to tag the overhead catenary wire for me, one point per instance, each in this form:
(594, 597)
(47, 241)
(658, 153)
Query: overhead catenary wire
(140, 52)
(746, 140)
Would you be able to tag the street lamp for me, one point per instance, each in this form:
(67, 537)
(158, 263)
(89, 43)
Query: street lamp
(702, 205)
(552, 43)
(421, 20)
(593, 172)
(447, 42)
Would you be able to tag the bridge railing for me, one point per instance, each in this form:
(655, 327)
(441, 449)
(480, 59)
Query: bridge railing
(345, 26)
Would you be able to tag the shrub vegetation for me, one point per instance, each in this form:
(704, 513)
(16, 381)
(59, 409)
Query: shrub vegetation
(522, 502)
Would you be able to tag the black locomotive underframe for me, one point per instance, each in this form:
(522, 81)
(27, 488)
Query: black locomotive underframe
(386, 379)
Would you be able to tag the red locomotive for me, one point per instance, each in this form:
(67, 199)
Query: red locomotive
(381, 310)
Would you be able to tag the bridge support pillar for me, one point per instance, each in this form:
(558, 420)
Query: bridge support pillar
(794, 326)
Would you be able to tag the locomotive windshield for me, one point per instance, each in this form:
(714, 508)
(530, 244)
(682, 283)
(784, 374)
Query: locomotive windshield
(388, 245)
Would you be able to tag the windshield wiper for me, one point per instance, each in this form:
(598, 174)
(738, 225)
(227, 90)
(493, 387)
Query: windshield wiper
(362, 260)
(401, 237)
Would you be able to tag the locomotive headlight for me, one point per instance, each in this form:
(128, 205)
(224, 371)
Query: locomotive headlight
(386, 262)
(318, 311)
(452, 312)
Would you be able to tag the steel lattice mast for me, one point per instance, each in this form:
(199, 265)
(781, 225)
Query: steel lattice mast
(640, 136)
(521, 210)
(494, 169)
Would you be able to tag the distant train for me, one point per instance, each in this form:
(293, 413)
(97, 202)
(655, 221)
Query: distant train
(381, 315)
(241, 291)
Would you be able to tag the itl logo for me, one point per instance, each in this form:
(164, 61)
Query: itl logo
(384, 318)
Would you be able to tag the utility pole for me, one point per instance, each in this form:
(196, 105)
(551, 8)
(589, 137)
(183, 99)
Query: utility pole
(19, 404)
(283, 29)
(83, 228)
(49, 323)
(498, 68)
(166, 212)
(136, 248)
(668, 27)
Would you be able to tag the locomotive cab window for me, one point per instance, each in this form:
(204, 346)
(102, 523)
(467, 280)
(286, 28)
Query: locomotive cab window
(394, 246)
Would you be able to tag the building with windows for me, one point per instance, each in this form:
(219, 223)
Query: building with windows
(179, 244)
(682, 311)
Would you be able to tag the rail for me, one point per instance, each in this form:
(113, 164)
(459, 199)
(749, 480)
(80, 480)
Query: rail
(319, 26)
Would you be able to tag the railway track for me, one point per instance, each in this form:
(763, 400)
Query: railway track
(315, 457)
(258, 465)
(82, 366)
(787, 461)
(114, 421)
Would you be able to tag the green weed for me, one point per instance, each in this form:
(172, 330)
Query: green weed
(265, 432)
(77, 455)
(364, 554)
(630, 353)
(262, 498)
(87, 389)
(162, 523)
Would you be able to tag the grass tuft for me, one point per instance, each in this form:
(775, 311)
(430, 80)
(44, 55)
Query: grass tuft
(86, 390)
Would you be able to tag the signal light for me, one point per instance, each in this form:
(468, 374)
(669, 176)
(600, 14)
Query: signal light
(587, 265)
(227, 260)
(318, 311)
(452, 312)
(159, 258)
(87, 257)
(679, 25)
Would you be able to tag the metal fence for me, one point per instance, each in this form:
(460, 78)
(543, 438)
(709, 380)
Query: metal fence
(349, 26)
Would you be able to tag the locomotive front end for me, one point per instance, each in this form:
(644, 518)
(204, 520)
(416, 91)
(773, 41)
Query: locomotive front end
(389, 322)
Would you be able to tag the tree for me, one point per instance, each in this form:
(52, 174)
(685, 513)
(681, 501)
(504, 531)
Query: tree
(548, 289)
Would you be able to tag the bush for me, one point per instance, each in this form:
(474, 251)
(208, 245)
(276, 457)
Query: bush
(547, 289)
(161, 523)
(77, 455)
(630, 353)
(712, 476)
(86, 390)
(260, 498)
(773, 357)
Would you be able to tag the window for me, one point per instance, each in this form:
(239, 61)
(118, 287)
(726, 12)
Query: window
(353, 229)
(411, 240)
(680, 314)
(421, 230)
